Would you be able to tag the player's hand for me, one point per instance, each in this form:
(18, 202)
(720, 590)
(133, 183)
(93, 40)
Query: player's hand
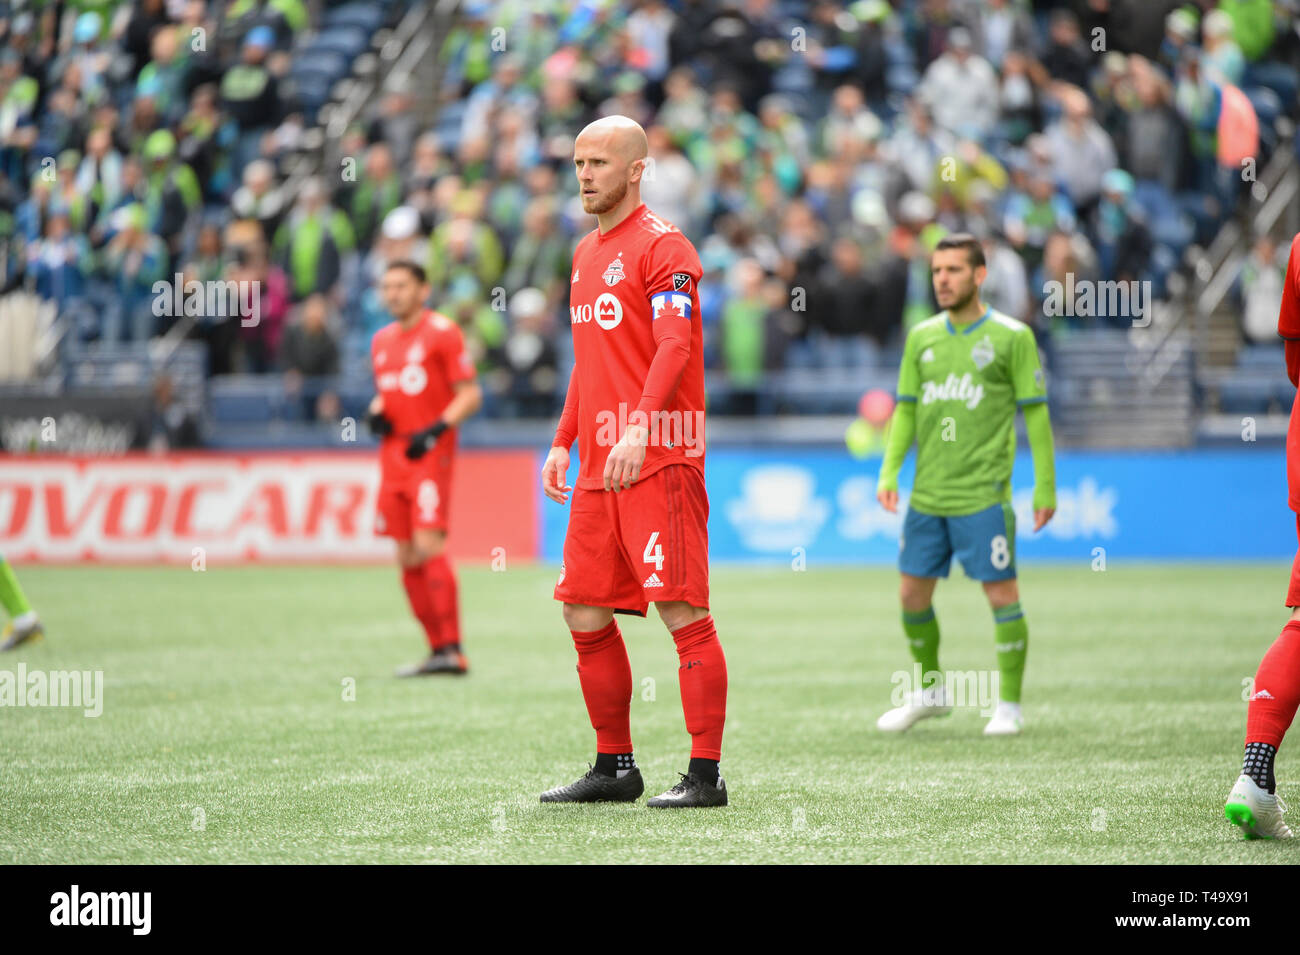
(1042, 516)
(888, 498)
(422, 441)
(553, 471)
(623, 466)
(379, 425)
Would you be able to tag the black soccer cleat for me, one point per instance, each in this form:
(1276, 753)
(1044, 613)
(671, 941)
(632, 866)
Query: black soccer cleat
(597, 787)
(442, 662)
(691, 793)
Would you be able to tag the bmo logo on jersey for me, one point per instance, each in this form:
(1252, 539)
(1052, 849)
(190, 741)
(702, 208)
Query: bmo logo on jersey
(409, 381)
(607, 312)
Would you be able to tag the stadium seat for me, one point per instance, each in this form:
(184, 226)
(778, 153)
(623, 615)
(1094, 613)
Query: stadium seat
(367, 16)
(350, 41)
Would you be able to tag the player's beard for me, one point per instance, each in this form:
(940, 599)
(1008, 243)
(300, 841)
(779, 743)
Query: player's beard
(599, 205)
(963, 300)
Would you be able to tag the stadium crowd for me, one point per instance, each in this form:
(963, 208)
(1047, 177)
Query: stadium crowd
(813, 151)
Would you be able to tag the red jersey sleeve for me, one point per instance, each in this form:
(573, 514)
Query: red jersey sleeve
(672, 269)
(567, 430)
(1288, 316)
(456, 362)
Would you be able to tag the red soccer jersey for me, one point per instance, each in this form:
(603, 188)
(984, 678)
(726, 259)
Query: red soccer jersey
(415, 374)
(634, 309)
(1288, 326)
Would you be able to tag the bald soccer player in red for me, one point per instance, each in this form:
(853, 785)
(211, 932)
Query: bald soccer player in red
(638, 525)
(1254, 804)
(426, 388)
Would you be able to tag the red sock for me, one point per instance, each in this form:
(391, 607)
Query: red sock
(606, 677)
(417, 592)
(440, 582)
(703, 679)
(1268, 716)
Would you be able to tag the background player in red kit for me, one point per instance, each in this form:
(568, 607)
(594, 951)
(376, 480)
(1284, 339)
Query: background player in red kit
(426, 387)
(638, 525)
(1254, 804)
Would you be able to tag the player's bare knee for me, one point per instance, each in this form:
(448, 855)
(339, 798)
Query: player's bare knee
(915, 593)
(1002, 592)
(678, 613)
(585, 618)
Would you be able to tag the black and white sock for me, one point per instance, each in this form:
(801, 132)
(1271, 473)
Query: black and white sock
(617, 765)
(705, 769)
(1258, 765)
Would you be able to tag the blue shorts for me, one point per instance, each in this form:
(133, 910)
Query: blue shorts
(984, 542)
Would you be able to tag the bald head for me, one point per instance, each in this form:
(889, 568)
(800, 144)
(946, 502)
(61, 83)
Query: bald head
(608, 159)
(618, 134)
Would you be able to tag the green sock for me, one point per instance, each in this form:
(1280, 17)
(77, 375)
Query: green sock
(922, 630)
(1011, 640)
(12, 597)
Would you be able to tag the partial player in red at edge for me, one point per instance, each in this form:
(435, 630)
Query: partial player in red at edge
(1253, 803)
(426, 387)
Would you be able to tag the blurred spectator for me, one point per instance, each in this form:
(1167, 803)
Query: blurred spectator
(1263, 275)
(961, 88)
(259, 198)
(171, 425)
(1081, 151)
(260, 342)
(134, 260)
(311, 242)
(1123, 240)
(1067, 58)
(251, 95)
(309, 346)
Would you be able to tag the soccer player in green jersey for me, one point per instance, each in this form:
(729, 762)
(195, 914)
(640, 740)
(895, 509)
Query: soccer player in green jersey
(964, 373)
(23, 624)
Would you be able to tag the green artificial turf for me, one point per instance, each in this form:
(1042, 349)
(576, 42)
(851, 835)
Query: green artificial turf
(225, 735)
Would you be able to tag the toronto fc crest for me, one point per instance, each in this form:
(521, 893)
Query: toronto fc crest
(614, 273)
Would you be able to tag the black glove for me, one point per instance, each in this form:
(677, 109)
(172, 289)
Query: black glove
(422, 441)
(379, 425)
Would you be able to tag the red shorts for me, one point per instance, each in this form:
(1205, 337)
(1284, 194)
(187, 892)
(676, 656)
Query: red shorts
(1293, 592)
(419, 501)
(650, 542)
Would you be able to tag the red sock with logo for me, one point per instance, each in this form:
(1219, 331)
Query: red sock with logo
(1277, 689)
(702, 676)
(606, 677)
(417, 592)
(444, 599)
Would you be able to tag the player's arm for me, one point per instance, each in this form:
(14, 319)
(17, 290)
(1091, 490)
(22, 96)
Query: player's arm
(379, 424)
(1288, 318)
(466, 398)
(670, 324)
(1031, 397)
(557, 460)
(902, 428)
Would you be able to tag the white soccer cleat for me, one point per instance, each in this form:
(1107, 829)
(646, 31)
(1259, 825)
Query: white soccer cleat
(918, 705)
(1006, 721)
(1258, 813)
